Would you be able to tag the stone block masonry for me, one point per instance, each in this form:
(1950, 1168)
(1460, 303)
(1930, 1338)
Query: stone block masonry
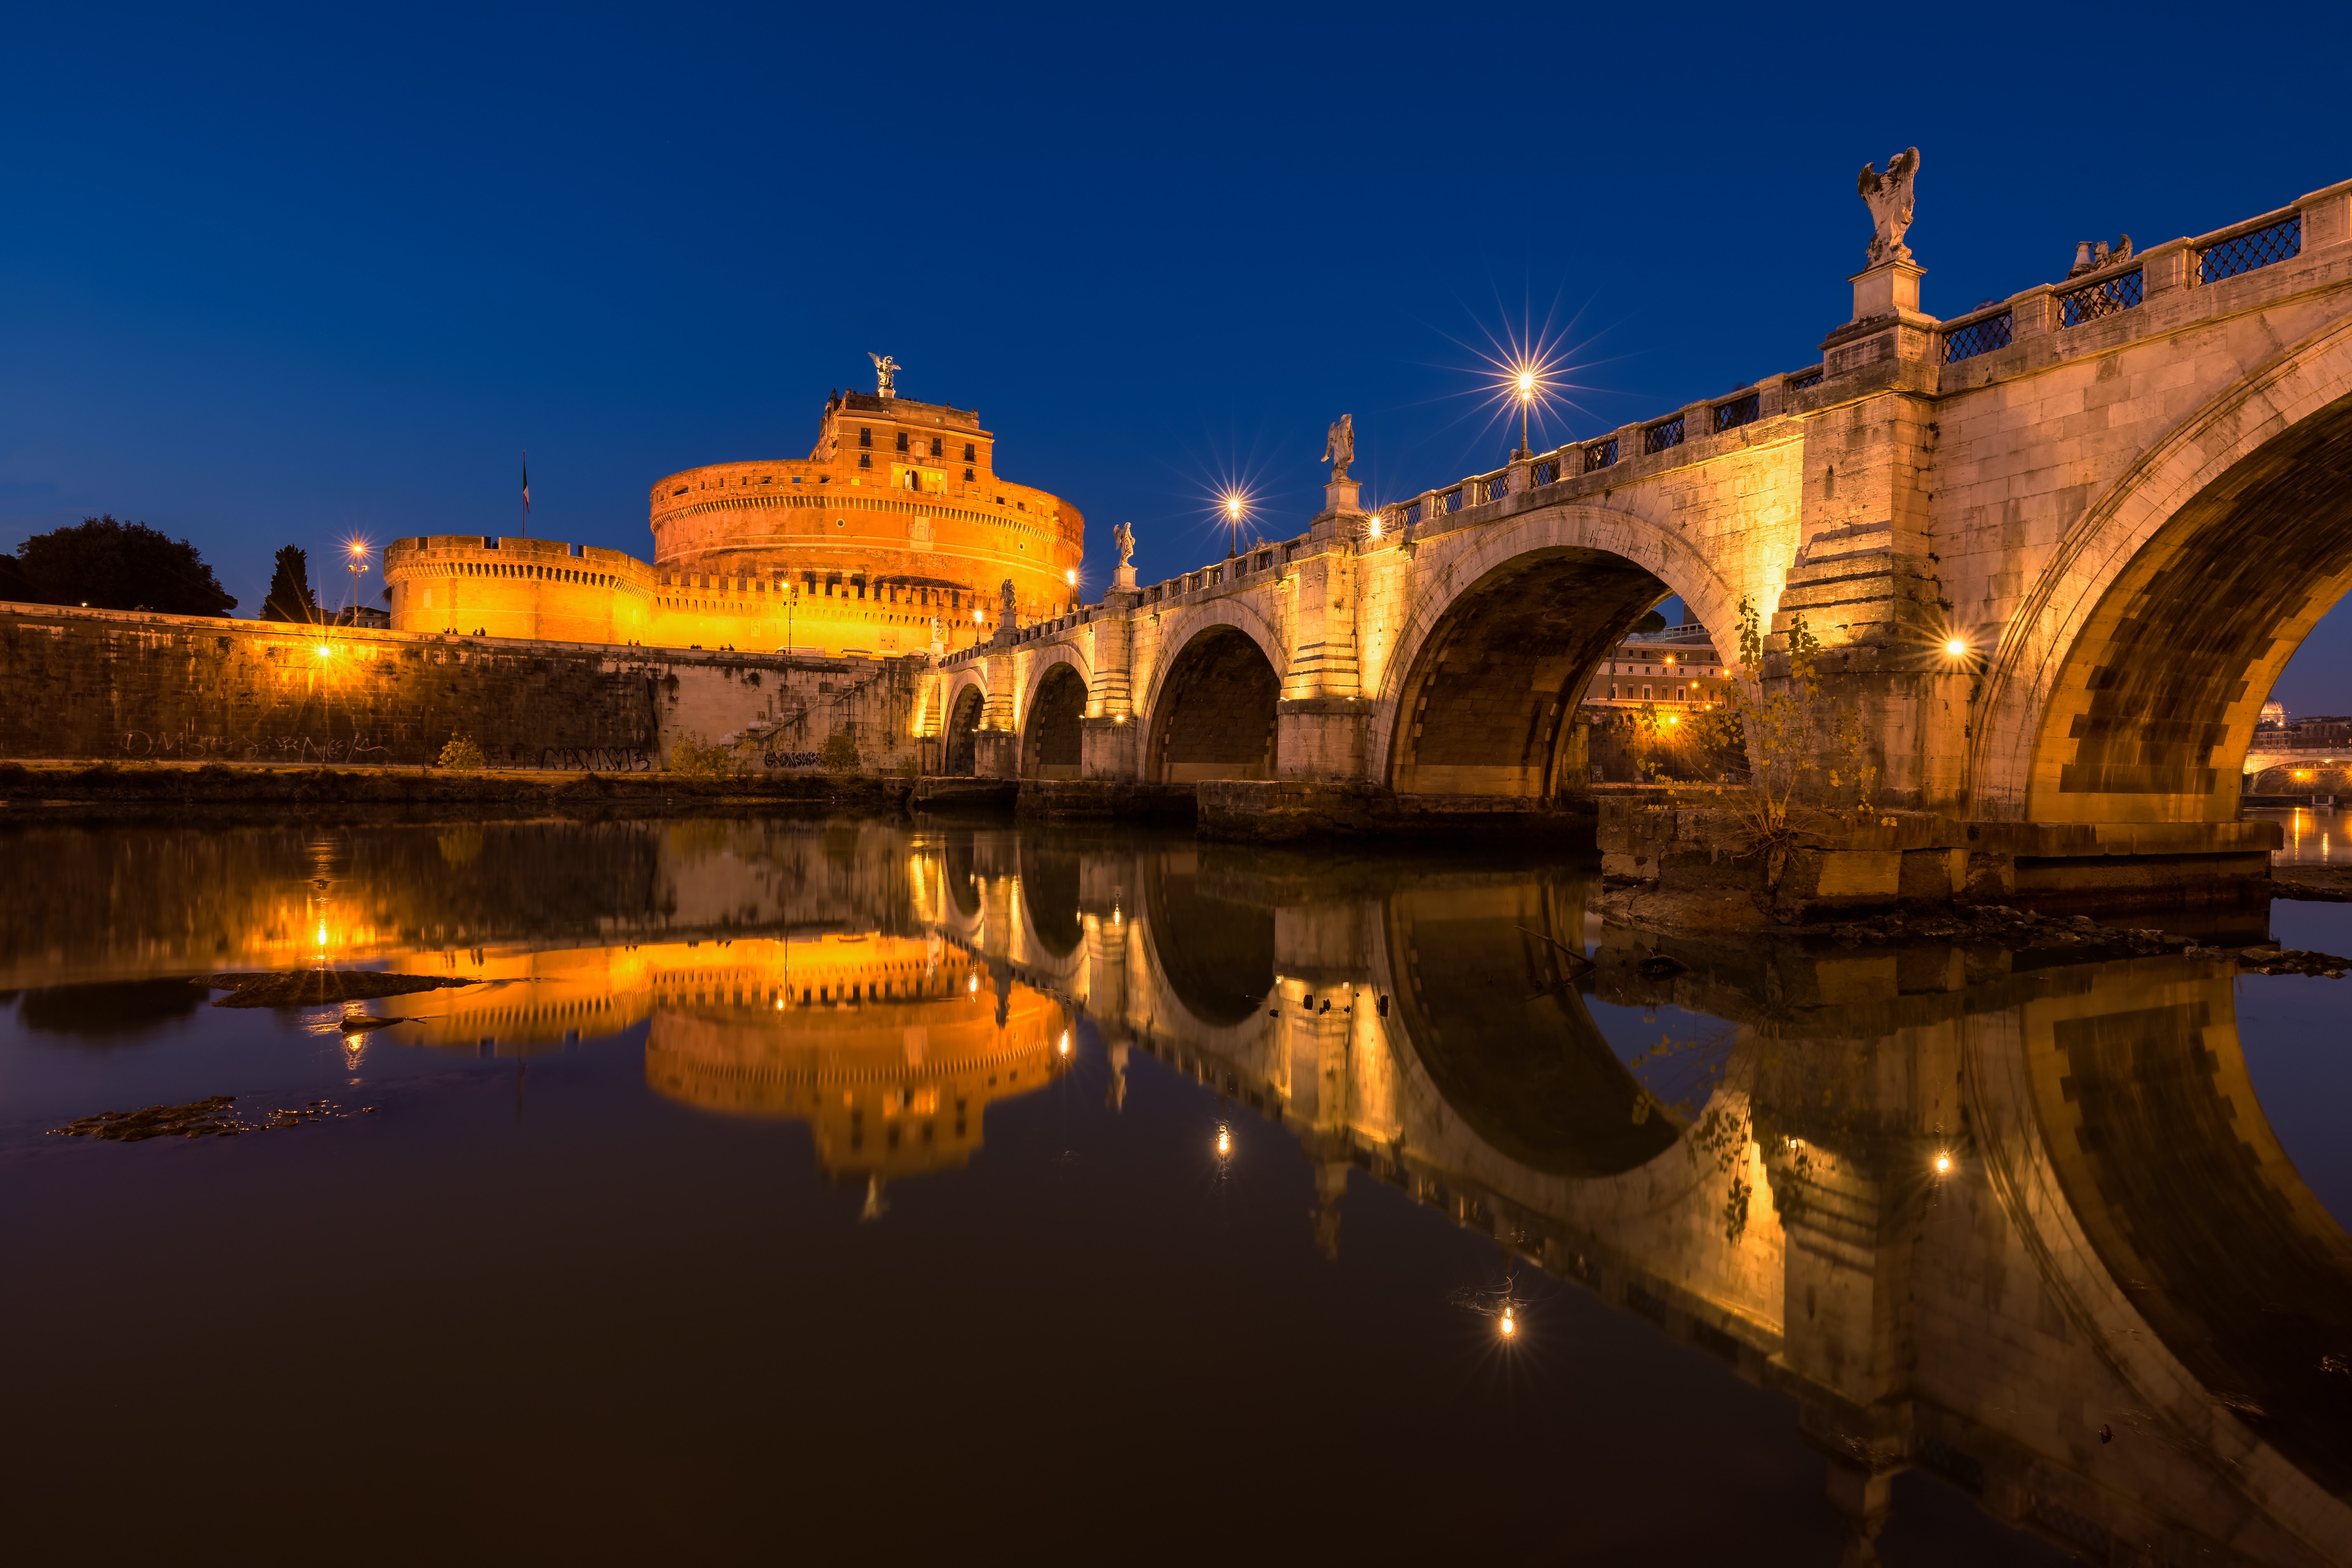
(112, 684)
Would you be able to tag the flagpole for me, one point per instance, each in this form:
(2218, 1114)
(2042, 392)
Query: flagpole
(526, 492)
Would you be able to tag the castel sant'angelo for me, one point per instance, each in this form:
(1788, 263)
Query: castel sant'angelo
(892, 536)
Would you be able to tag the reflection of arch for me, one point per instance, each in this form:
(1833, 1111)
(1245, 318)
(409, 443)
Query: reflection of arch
(1503, 1034)
(1217, 955)
(2120, 1133)
(2128, 684)
(1049, 893)
(960, 755)
(1051, 722)
(1540, 599)
(1213, 716)
(962, 886)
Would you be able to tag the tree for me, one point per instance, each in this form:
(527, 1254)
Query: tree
(289, 588)
(112, 565)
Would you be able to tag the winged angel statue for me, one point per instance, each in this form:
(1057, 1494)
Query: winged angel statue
(1888, 197)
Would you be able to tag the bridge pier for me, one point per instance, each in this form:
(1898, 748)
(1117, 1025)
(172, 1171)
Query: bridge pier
(1322, 738)
(1110, 749)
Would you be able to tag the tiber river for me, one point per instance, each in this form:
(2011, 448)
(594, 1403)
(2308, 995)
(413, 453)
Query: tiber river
(785, 1191)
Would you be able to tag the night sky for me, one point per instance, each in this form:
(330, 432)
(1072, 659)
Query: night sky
(280, 276)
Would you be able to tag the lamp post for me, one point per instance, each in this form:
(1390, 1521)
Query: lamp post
(1527, 383)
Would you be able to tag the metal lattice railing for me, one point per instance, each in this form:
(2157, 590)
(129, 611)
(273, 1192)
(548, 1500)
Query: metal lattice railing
(1601, 454)
(1544, 473)
(2108, 297)
(1976, 338)
(1658, 437)
(1449, 501)
(2251, 251)
(1498, 485)
(1739, 411)
(1410, 515)
(1798, 382)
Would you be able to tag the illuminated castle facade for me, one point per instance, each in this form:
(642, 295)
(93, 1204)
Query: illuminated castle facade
(890, 537)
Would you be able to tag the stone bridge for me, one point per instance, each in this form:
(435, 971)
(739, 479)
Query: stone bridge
(2057, 549)
(2028, 1231)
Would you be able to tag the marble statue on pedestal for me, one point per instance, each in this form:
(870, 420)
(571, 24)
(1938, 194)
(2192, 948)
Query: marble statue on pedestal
(1888, 197)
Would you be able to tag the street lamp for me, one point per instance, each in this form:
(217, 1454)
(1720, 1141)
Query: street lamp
(1526, 386)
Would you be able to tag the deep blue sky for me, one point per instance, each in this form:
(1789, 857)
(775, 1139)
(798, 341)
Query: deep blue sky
(275, 276)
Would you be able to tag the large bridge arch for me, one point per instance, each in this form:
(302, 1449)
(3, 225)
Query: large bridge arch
(1211, 712)
(2127, 686)
(1487, 675)
(1053, 704)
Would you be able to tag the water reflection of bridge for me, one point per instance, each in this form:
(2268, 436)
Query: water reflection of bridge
(2028, 1231)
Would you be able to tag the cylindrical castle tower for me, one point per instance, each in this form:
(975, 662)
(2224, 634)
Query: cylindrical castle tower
(895, 521)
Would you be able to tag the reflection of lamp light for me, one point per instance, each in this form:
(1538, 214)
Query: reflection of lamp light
(972, 983)
(1510, 1324)
(1064, 1047)
(1943, 1164)
(1225, 1141)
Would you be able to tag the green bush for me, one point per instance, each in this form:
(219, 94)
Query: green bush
(839, 752)
(690, 756)
(463, 755)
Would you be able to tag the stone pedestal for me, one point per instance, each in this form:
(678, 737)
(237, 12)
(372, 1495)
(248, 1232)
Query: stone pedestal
(1108, 747)
(1322, 738)
(996, 754)
(1889, 289)
(1341, 511)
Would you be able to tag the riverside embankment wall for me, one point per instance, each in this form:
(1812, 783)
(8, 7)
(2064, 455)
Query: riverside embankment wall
(117, 685)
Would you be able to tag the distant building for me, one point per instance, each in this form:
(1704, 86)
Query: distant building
(1675, 668)
(2273, 713)
(361, 616)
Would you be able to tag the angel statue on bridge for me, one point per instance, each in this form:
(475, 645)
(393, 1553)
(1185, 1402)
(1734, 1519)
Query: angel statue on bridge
(1124, 537)
(1339, 446)
(885, 374)
(1888, 197)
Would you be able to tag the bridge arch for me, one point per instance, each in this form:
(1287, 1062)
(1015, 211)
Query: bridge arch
(1051, 709)
(1210, 713)
(1504, 655)
(2127, 686)
(967, 701)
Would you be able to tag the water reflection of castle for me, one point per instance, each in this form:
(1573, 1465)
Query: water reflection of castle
(890, 1048)
(2027, 1230)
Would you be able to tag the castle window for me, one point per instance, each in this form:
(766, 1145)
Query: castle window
(971, 452)
(902, 440)
(864, 459)
(864, 436)
(935, 446)
(967, 476)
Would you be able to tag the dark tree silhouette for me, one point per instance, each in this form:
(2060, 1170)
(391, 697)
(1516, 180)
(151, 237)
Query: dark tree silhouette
(112, 565)
(289, 588)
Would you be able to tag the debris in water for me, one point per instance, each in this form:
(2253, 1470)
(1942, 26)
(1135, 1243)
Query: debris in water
(203, 1118)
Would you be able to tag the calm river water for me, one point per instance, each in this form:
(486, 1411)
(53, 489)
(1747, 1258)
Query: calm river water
(964, 1193)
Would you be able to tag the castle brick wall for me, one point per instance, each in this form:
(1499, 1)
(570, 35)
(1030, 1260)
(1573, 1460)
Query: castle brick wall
(109, 685)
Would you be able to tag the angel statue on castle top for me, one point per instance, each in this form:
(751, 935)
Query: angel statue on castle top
(885, 374)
